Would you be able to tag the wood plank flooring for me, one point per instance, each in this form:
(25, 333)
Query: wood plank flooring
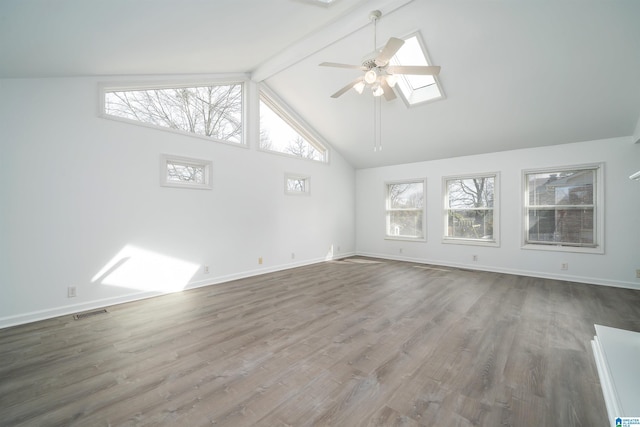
(355, 342)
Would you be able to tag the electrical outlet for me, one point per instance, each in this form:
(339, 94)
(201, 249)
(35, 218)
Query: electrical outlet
(638, 274)
(475, 258)
(293, 255)
(338, 249)
(71, 291)
(259, 260)
(205, 269)
(400, 250)
(564, 266)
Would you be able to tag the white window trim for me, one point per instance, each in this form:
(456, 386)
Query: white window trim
(266, 95)
(495, 242)
(206, 164)
(242, 80)
(599, 211)
(424, 210)
(307, 185)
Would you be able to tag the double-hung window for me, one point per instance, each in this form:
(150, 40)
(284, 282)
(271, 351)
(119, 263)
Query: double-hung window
(563, 208)
(471, 214)
(405, 210)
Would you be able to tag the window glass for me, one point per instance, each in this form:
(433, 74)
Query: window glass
(295, 184)
(177, 171)
(415, 89)
(213, 111)
(469, 208)
(405, 210)
(561, 208)
(279, 133)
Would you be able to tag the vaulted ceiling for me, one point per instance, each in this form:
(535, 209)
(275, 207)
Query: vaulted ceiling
(515, 73)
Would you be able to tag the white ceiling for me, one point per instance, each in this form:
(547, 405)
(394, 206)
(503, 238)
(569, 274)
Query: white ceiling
(516, 73)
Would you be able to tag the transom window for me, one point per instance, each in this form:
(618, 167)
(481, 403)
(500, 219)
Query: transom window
(297, 184)
(563, 208)
(405, 210)
(280, 132)
(415, 89)
(177, 171)
(214, 110)
(470, 209)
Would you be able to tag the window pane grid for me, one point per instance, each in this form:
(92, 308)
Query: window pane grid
(405, 210)
(469, 209)
(561, 208)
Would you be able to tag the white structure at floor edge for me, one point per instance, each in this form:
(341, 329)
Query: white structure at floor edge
(617, 355)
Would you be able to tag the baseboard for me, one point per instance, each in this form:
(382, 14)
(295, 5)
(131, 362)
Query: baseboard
(517, 272)
(66, 310)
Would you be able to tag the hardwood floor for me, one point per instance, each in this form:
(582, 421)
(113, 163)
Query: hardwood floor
(345, 343)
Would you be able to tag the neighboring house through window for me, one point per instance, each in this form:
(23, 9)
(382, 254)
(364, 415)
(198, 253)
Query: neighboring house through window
(564, 209)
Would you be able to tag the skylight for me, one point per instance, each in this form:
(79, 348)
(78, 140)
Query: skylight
(415, 89)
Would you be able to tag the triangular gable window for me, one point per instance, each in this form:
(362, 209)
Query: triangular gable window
(281, 133)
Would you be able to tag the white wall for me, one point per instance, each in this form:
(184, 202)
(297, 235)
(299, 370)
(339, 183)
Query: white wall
(78, 190)
(616, 267)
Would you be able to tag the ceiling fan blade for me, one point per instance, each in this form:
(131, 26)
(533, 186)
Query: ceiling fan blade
(337, 65)
(390, 49)
(347, 87)
(389, 93)
(424, 70)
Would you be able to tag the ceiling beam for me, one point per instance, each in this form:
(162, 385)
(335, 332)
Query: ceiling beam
(342, 27)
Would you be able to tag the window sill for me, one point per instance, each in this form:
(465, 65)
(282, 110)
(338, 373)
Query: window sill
(406, 238)
(599, 250)
(471, 242)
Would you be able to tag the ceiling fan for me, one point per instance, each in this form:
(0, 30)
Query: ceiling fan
(379, 75)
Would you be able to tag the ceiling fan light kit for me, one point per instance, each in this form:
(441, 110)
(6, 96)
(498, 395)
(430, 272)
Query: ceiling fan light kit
(379, 76)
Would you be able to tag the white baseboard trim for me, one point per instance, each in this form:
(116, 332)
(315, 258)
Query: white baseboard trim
(518, 272)
(34, 316)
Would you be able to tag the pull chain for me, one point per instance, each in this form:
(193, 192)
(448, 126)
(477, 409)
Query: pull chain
(377, 124)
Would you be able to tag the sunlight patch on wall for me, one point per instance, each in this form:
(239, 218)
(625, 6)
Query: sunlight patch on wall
(329, 256)
(144, 270)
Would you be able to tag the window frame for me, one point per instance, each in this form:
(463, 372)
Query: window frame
(388, 210)
(266, 95)
(114, 86)
(307, 184)
(207, 165)
(421, 95)
(495, 241)
(598, 211)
